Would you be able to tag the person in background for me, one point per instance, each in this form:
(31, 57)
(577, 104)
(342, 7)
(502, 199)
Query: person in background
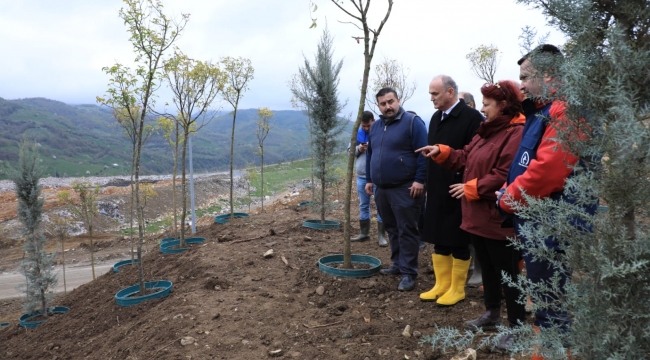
(486, 161)
(367, 120)
(454, 124)
(399, 174)
(469, 99)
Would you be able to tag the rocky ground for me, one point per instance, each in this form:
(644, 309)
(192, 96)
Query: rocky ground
(231, 302)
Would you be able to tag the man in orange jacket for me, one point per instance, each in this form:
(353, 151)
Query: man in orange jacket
(540, 169)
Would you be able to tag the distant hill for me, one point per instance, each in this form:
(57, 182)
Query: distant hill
(75, 139)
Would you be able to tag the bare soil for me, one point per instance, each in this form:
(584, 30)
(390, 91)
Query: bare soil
(236, 304)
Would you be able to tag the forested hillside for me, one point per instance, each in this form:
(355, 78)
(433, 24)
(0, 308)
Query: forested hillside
(76, 139)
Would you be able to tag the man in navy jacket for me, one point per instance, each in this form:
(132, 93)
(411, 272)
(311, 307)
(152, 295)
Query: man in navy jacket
(399, 174)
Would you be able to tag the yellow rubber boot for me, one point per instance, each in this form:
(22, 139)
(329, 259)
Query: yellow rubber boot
(442, 268)
(456, 292)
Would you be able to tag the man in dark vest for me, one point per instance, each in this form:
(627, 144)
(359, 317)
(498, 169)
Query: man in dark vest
(399, 174)
(454, 124)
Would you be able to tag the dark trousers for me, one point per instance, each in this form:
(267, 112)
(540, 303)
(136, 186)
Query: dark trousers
(458, 252)
(496, 257)
(400, 213)
(542, 272)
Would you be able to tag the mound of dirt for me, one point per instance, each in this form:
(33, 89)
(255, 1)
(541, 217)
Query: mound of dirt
(230, 302)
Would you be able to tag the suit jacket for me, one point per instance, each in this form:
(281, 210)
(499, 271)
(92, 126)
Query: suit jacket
(443, 215)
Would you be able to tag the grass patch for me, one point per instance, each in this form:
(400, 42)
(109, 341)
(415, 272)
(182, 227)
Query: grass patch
(278, 176)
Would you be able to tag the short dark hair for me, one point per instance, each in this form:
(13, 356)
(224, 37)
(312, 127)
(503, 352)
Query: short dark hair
(367, 117)
(386, 91)
(546, 49)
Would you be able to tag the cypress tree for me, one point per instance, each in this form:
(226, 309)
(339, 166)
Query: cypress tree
(37, 263)
(323, 106)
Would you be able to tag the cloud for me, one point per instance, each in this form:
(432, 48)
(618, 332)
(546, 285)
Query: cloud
(57, 51)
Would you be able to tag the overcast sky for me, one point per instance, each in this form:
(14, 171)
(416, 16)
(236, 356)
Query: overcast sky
(56, 49)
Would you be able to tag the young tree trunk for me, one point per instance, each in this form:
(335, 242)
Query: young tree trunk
(322, 191)
(92, 250)
(174, 183)
(311, 155)
(232, 159)
(248, 187)
(186, 134)
(43, 303)
(368, 53)
(347, 252)
(65, 287)
(131, 205)
(262, 175)
(139, 209)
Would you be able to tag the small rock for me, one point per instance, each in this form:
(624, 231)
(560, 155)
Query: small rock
(307, 238)
(274, 353)
(178, 316)
(268, 254)
(245, 342)
(295, 354)
(407, 331)
(320, 290)
(164, 319)
(417, 353)
(468, 354)
(417, 334)
(367, 284)
(381, 297)
(188, 340)
(473, 303)
(384, 352)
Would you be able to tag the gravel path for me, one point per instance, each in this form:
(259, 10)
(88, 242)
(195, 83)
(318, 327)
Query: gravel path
(54, 182)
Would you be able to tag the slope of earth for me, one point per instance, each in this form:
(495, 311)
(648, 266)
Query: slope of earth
(236, 304)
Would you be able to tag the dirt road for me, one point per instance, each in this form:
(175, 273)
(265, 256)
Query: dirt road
(74, 277)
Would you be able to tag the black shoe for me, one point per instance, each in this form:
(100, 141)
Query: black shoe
(487, 321)
(393, 270)
(407, 283)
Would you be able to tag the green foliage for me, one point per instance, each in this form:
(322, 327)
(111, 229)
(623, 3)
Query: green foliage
(85, 209)
(239, 72)
(390, 73)
(195, 84)
(264, 125)
(37, 264)
(322, 80)
(131, 92)
(484, 61)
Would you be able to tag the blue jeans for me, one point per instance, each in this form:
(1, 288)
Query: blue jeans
(364, 199)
